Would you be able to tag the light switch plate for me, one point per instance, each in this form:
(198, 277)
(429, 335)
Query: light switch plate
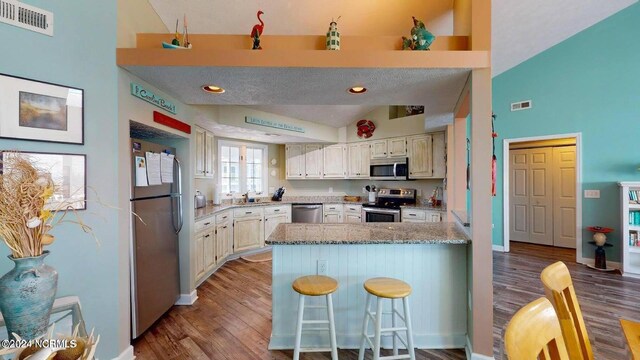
(592, 194)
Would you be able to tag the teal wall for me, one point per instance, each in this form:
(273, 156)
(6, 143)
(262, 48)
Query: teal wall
(81, 54)
(588, 84)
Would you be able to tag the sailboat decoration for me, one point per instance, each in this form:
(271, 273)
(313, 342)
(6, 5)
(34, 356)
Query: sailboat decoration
(175, 43)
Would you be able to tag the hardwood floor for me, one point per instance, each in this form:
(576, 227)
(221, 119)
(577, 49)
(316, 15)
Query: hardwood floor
(232, 317)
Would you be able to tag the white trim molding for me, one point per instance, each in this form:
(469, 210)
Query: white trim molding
(126, 354)
(505, 187)
(187, 299)
(498, 248)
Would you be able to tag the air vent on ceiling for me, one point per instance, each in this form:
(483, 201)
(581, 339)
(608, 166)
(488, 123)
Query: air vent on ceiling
(28, 17)
(521, 105)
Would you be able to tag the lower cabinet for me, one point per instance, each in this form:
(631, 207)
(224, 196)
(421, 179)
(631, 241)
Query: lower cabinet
(333, 213)
(352, 213)
(224, 241)
(210, 253)
(248, 229)
(420, 216)
(272, 221)
(199, 252)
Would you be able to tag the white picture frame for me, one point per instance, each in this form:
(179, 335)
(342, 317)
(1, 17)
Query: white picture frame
(40, 111)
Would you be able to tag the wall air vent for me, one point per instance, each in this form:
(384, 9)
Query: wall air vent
(28, 17)
(521, 105)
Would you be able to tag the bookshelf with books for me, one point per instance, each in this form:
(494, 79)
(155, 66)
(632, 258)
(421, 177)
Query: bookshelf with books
(630, 201)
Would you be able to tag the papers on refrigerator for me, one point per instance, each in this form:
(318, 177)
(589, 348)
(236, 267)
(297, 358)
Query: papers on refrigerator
(153, 168)
(166, 167)
(141, 171)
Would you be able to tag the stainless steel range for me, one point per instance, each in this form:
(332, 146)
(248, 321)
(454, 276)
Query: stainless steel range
(387, 208)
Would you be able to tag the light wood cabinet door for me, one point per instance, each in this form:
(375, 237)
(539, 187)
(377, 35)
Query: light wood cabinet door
(247, 234)
(271, 222)
(352, 218)
(420, 157)
(295, 161)
(200, 145)
(223, 232)
(439, 151)
(334, 161)
(397, 147)
(209, 161)
(209, 251)
(434, 216)
(313, 162)
(199, 255)
(379, 149)
(332, 218)
(354, 161)
(365, 160)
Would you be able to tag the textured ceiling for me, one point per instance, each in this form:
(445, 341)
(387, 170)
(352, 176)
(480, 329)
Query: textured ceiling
(522, 29)
(331, 115)
(436, 89)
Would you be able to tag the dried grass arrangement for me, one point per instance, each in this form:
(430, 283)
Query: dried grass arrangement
(25, 222)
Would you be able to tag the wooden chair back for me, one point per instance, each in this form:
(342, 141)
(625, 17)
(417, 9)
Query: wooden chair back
(534, 333)
(559, 289)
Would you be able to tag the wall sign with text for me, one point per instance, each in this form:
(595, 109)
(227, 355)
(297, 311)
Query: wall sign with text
(140, 92)
(273, 124)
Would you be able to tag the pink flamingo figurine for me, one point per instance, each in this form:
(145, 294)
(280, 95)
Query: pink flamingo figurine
(256, 32)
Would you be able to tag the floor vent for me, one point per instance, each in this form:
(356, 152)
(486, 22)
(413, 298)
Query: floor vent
(521, 105)
(28, 17)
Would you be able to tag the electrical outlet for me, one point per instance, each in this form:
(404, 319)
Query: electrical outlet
(592, 194)
(323, 267)
(330, 189)
(364, 191)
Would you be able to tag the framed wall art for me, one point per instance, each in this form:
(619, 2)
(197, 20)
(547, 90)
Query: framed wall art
(68, 172)
(40, 111)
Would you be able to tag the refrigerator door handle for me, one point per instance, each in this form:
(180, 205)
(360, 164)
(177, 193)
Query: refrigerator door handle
(177, 227)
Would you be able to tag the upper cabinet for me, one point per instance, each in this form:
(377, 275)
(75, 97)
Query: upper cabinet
(204, 154)
(389, 148)
(335, 161)
(313, 162)
(359, 160)
(427, 156)
(425, 152)
(295, 161)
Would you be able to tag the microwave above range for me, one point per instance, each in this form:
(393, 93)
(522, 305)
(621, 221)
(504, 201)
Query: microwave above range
(389, 169)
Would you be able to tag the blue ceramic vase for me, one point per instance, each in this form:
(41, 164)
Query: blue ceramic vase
(27, 293)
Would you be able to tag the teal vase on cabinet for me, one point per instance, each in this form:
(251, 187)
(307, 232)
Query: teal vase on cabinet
(27, 293)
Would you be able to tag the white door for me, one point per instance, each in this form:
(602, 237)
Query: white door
(332, 218)
(397, 147)
(200, 143)
(247, 234)
(199, 252)
(519, 195)
(222, 241)
(352, 218)
(354, 161)
(271, 222)
(420, 157)
(379, 149)
(541, 198)
(365, 160)
(313, 162)
(295, 161)
(334, 162)
(438, 155)
(209, 250)
(564, 196)
(208, 155)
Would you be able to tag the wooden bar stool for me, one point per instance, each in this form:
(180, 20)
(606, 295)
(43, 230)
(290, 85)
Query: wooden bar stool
(315, 285)
(387, 288)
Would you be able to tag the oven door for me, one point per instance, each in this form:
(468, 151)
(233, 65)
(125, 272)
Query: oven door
(380, 215)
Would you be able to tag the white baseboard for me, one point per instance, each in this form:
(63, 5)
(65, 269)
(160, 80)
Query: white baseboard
(592, 262)
(468, 349)
(499, 248)
(352, 341)
(126, 354)
(187, 299)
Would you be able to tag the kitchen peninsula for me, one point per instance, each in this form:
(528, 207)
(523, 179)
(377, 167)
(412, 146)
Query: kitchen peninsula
(431, 257)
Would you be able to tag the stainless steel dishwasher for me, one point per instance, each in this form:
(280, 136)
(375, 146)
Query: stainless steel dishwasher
(306, 213)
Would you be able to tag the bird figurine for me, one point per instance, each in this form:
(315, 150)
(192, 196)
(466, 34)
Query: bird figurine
(420, 36)
(256, 32)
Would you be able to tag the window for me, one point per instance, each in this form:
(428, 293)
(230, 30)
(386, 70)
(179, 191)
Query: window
(242, 167)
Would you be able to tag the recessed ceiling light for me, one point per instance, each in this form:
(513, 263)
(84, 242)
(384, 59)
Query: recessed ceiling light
(213, 89)
(357, 90)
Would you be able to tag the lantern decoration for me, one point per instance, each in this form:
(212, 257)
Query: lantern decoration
(365, 128)
(333, 35)
(256, 32)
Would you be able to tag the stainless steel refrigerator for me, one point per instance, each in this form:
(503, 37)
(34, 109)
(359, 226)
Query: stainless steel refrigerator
(155, 276)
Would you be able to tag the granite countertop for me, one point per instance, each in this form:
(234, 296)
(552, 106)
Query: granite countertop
(368, 233)
(213, 209)
(425, 207)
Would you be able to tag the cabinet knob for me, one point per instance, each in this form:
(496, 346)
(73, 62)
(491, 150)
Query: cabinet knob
(391, 152)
